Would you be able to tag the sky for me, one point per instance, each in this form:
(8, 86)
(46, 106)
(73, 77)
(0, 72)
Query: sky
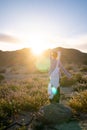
(43, 24)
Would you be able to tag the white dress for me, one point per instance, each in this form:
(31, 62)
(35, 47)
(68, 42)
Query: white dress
(55, 76)
(54, 81)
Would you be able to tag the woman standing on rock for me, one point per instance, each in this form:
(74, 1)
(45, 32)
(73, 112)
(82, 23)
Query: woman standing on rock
(54, 73)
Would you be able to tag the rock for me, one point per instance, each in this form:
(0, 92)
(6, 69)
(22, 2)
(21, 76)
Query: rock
(54, 114)
(36, 125)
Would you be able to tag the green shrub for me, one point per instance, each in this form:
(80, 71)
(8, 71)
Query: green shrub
(80, 87)
(84, 79)
(22, 128)
(67, 82)
(14, 88)
(78, 77)
(83, 69)
(1, 77)
(79, 102)
(23, 95)
(75, 79)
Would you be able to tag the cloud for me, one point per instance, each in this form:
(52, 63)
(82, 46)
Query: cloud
(77, 42)
(8, 38)
(83, 46)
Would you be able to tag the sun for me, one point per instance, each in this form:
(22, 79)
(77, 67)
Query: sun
(37, 39)
(38, 49)
(38, 42)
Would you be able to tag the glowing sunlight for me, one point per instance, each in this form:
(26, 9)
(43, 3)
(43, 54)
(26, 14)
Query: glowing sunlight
(38, 48)
(38, 40)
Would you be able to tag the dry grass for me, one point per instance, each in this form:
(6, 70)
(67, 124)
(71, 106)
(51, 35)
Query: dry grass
(22, 95)
(79, 102)
(29, 93)
(80, 87)
(1, 77)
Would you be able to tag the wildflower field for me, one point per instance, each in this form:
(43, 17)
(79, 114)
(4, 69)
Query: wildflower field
(29, 93)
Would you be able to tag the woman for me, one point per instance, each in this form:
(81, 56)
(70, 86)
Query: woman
(54, 73)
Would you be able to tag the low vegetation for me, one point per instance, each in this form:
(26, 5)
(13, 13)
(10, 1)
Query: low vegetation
(80, 87)
(65, 82)
(1, 77)
(20, 96)
(30, 94)
(2, 70)
(79, 102)
(84, 68)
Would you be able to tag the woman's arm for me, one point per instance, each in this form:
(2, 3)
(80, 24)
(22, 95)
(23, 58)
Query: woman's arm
(50, 57)
(65, 71)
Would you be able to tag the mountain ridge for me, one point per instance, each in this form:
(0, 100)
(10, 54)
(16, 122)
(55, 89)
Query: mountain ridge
(25, 56)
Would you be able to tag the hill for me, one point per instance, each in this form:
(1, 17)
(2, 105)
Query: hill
(14, 58)
(73, 56)
(24, 57)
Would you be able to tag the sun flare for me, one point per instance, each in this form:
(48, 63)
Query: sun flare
(38, 49)
(38, 41)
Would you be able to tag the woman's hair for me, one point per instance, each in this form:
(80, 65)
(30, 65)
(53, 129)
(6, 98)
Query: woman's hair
(54, 54)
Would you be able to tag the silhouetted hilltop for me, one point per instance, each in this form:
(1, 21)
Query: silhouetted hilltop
(72, 56)
(18, 57)
(25, 57)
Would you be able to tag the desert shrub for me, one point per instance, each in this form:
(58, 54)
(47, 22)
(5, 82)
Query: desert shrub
(2, 70)
(78, 77)
(80, 87)
(7, 109)
(79, 102)
(67, 82)
(22, 96)
(1, 77)
(4, 92)
(22, 128)
(84, 79)
(69, 67)
(83, 69)
(14, 88)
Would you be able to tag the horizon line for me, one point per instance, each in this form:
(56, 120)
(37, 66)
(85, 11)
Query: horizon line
(43, 51)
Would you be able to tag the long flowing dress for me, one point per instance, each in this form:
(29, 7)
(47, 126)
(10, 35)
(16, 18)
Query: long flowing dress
(54, 73)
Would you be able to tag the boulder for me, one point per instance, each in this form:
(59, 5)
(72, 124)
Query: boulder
(54, 114)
